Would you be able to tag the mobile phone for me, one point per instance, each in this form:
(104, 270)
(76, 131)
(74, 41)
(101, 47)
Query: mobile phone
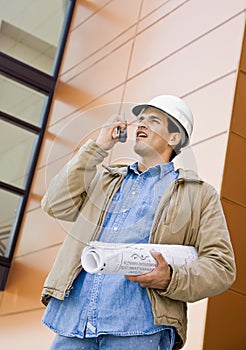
(122, 134)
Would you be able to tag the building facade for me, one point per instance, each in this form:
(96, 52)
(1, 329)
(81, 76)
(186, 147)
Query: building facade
(122, 52)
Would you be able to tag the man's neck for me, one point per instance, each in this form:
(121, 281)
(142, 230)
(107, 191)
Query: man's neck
(145, 164)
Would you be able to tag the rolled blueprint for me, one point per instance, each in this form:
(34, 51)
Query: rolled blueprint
(132, 259)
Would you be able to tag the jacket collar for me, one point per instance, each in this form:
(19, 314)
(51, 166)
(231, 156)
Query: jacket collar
(118, 169)
(188, 176)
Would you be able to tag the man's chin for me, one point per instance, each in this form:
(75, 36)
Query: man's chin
(141, 148)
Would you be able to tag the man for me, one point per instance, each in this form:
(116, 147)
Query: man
(147, 202)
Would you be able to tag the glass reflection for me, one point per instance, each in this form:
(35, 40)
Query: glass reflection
(9, 204)
(16, 146)
(27, 104)
(30, 31)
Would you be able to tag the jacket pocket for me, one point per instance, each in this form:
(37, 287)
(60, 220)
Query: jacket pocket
(166, 309)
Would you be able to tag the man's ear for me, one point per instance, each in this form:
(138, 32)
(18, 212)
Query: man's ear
(174, 139)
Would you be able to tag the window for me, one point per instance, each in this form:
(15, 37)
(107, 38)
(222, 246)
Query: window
(32, 35)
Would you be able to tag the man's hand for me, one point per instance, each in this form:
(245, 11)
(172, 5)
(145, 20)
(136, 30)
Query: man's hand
(108, 136)
(159, 278)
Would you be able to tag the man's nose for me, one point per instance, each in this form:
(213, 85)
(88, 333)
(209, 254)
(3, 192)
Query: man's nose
(142, 124)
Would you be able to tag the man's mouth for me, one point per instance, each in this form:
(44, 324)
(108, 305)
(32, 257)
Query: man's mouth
(141, 134)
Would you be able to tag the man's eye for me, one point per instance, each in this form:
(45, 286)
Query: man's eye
(156, 121)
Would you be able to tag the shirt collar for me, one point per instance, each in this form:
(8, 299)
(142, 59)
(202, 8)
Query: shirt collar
(160, 170)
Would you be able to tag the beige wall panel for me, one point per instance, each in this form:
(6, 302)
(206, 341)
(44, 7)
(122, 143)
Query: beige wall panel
(33, 201)
(25, 281)
(166, 37)
(103, 27)
(196, 323)
(153, 11)
(238, 124)
(65, 101)
(76, 129)
(235, 215)
(243, 56)
(99, 55)
(42, 179)
(233, 172)
(65, 135)
(84, 10)
(212, 107)
(204, 158)
(58, 144)
(39, 230)
(199, 10)
(99, 79)
(225, 327)
(193, 67)
(24, 331)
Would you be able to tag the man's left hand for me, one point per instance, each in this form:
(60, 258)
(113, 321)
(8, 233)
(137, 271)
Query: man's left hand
(159, 278)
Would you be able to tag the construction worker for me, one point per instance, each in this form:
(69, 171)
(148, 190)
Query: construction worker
(146, 202)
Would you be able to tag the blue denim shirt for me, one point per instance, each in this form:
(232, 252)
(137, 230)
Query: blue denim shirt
(111, 304)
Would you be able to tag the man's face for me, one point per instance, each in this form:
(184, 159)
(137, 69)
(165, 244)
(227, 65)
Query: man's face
(152, 134)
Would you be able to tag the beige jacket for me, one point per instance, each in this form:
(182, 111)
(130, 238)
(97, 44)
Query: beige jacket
(189, 213)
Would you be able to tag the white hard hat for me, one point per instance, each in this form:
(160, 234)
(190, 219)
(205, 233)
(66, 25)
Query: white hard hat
(176, 109)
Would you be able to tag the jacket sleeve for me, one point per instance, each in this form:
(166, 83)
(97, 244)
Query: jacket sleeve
(214, 271)
(67, 190)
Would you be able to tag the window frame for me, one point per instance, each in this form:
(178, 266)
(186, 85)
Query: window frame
(44, 83)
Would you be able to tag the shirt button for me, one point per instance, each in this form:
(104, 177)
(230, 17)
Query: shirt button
(133, 192)
(115, 228)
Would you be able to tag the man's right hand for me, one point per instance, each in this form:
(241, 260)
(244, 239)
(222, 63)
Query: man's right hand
(108, 135)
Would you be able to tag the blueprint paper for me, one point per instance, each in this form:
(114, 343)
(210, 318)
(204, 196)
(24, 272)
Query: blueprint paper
(132, 259)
